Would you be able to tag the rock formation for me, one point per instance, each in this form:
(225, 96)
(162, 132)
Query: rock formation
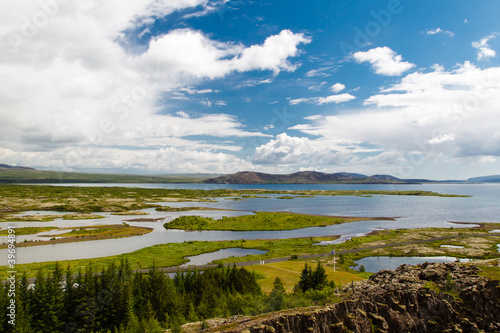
(440, 298)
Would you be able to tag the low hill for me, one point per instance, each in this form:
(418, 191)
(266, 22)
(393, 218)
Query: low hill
(485, 179)
(9, 174)
(6, 166)
(304, 177)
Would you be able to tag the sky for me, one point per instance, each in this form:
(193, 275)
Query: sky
(401, 87)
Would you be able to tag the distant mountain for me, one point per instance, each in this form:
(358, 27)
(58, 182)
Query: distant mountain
(485, 179)
(304, 177)
(13, 174)
(6, 166)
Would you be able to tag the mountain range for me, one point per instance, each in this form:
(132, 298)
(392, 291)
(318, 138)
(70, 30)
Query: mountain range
(306, 177)
(23, 174)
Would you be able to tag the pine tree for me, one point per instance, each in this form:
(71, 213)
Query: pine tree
(318, 278)
(23, 317)
(276, 299)
(305, 282)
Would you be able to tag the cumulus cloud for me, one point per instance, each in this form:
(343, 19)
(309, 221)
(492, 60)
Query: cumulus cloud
(295, 150)
(94, 158)
(75, 78)
(283, 150)
(440, 31)
(447, 114)
(323, 100)
(484, 51)
(337, 87)
(384, 61)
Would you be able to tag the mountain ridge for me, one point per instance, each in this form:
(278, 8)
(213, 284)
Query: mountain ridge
(304, 177)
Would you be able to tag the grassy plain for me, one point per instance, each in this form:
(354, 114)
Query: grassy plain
(78, 234)
(289, 273)
(173, 254)
(27, 230)
(41, 176)
(261, 221)
(18, 198)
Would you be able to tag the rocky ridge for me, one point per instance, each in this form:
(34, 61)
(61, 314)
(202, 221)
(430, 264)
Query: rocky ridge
(440, 298)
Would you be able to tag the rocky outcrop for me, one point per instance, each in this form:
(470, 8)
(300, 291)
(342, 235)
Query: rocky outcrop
(426, 298)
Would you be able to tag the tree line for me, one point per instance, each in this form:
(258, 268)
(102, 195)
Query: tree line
(115, 299)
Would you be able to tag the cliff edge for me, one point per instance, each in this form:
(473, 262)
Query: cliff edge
(440, 298)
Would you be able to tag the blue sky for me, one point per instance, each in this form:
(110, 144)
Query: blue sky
(178, 86)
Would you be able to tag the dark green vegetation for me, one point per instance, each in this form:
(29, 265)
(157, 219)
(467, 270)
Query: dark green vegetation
(259, 221)
(28, 175)
(18, 198)
(114, 299)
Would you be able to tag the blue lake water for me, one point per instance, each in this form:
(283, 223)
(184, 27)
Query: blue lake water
(376, 264)
(412, 212)
(207, 258)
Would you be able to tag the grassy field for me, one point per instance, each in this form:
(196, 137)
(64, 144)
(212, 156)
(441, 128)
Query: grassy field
(27, 230)
(173, 254)
(491, 270)
(18, 198)
(289, 273)
(260, 221)
(40, 176)
(78, 234)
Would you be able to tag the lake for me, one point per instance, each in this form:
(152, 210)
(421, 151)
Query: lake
(376, 264)
(412, 212)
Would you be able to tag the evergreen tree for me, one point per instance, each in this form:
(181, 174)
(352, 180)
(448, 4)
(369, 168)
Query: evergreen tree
(305, 282)
(276, 299)
(318, 278)
(23, 317)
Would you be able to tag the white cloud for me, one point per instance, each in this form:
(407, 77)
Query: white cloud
(440, 114)
(168, 159)
(317, 87)
(182, 114)
(484, 51)
(283, 150)
(192, 91)
(272, 55)
(325, 71)
(77, 80)
(336, 99)
(337, 87)
(323, 100)
(294, 150)
(384, 61)
(440, 31)
(206, 102)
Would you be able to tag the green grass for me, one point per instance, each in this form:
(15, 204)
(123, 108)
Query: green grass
(40, 176)
(27, 230)
(491, 272)
(18, 198)
(172, 254)
(47, 218)
(259, 221)
(289, 273)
